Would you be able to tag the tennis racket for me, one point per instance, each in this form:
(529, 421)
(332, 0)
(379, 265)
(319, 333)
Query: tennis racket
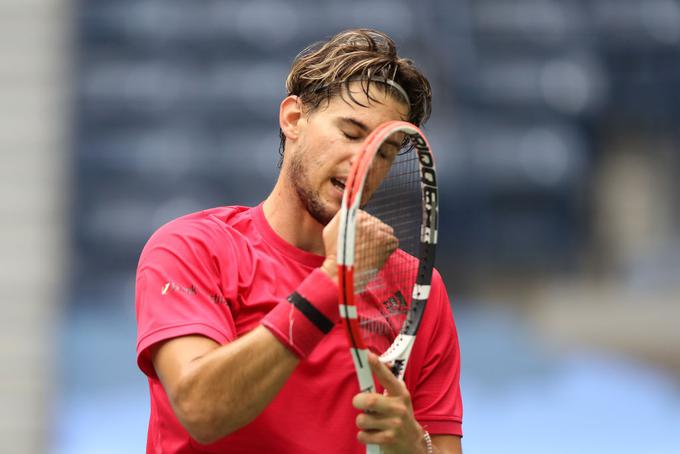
(390, 192)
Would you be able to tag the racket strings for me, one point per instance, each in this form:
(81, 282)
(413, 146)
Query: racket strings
(384, 296)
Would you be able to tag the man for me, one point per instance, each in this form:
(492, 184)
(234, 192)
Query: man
(228, 370)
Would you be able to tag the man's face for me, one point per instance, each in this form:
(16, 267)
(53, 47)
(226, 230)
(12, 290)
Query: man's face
(329, 141)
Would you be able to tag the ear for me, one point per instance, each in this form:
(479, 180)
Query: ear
(290, 117)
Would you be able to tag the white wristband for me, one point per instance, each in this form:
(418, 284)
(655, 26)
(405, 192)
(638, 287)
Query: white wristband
(428, 442)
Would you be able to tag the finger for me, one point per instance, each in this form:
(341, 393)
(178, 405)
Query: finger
(392, 243)
(378, 225)
(386, 378)
(366, 401)
(332, 227)
(380, 437)
(369, 220)
(376, 404)
(330, 234)
(376, 421)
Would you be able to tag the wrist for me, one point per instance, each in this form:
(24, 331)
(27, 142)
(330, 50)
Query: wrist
(308, 314)
(426, 446)
(423, 444)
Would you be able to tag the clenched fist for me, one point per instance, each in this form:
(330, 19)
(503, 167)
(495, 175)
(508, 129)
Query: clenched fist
(375, 242)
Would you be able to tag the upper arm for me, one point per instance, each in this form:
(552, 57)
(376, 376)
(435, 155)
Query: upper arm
(173, 358)
(447, 444)
(180, 292)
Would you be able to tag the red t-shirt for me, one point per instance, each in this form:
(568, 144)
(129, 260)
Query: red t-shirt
(216, 273)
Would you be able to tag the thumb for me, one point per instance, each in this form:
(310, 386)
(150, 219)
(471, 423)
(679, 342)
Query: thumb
(386, 378)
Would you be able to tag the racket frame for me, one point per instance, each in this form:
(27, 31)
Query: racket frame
(398, 353)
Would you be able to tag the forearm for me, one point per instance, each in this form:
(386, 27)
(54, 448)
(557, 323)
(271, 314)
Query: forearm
(215, 390)
(228, 387)
(446, 444)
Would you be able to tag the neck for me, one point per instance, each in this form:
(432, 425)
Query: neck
(291, 220)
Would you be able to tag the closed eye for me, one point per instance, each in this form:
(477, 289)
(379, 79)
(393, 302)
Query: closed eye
(350, 136)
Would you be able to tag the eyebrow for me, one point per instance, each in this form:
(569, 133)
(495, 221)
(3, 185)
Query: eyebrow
(365, 128)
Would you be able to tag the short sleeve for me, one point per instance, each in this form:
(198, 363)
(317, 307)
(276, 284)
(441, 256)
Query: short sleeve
(436, 395)
(182, 286)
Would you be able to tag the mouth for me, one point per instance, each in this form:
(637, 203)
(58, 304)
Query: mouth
(339, 182)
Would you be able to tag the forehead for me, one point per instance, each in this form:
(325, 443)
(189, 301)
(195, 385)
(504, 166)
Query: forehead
(378, 103)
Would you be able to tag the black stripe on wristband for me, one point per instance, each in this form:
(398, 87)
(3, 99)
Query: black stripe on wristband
(313, 315)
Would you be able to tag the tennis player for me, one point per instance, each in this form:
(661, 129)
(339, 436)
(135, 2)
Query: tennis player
(233, 365)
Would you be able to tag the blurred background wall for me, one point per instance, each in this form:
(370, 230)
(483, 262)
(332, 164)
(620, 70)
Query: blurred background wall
(555, 128)
(33, 195)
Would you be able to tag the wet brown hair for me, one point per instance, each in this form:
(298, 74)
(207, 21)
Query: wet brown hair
(325, 69)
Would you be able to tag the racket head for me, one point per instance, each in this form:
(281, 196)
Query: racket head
(382, 309)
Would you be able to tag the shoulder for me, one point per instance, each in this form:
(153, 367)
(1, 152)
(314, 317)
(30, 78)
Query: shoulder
(203, 234)
(203, 226)
(203, 223)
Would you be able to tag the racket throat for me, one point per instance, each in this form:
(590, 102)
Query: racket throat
(398, 353)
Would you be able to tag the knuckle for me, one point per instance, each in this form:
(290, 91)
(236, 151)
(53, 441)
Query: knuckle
(397, 423)
(389, 437)
(401, 412)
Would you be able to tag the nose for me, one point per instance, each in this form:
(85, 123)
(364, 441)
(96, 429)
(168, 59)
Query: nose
(354, 152)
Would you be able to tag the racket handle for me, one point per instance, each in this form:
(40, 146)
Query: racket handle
(373, 449)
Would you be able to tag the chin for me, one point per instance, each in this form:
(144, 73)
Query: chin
(327, 215)
(321, 207)
(333, 207)
(322, 212)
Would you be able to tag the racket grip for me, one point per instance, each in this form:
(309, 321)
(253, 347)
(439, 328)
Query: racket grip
(373, 449)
